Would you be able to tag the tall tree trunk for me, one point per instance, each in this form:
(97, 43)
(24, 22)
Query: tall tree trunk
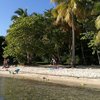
(98, 54)
(83, 56)
(28, 58)
(58, 56)
(73, 41)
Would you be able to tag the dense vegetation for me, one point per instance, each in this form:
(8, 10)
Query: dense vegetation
(2, 39)
(39, 37)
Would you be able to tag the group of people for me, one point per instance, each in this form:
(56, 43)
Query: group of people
(54, 61)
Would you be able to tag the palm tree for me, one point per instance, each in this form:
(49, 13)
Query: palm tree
(72, 12)
(64, 11)
(19, 13)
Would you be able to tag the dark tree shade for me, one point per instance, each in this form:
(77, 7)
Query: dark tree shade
(2, 39)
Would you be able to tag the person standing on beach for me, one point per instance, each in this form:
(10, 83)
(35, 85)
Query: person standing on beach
(53, 61)
(5, 63)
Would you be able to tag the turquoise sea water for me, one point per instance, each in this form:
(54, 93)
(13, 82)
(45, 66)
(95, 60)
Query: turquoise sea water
(21, 89)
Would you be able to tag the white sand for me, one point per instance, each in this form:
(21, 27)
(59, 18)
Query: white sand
(85, 77)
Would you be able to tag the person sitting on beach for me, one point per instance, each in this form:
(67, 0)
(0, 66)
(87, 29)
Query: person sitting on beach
(15, 71)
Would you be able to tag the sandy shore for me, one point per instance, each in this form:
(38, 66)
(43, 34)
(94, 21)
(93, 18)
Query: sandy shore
(58, 76)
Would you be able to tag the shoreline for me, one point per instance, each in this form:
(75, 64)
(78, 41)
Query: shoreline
(67, 81)
(57, 79)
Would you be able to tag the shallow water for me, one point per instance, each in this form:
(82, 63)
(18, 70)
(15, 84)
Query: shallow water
(21, 89)
(2, 88)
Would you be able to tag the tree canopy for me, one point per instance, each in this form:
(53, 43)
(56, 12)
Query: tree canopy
(43, 36)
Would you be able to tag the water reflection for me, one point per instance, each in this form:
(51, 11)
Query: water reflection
(1, 98)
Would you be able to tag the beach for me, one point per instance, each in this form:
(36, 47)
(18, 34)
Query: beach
(81, 76)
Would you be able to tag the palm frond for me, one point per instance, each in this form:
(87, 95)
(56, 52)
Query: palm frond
(21, 12)
(14, 17)
(97, 22)
(97, 40)
(96, 8)
(58, 1)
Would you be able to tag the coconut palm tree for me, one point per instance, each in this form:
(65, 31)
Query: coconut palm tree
(64, 11)
(72, 12)
(19, 13)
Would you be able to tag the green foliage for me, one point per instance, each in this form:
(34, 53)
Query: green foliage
(69, 59)
(23, 37)
(97, 22)
(97, 38)
(90, 36)
(2, 45)
(96, 8)
(19, 13)
(34, 36)
(42, 36)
